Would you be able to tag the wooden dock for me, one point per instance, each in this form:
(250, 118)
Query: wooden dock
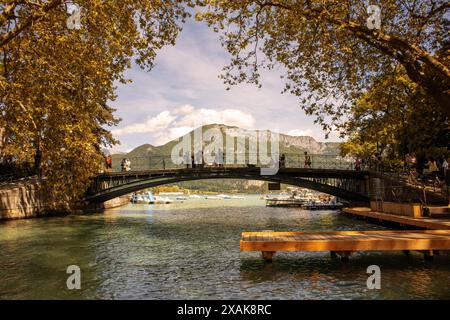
(343, 243)
(422, 222)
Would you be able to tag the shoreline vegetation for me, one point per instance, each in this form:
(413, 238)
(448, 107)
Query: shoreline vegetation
(231, 186)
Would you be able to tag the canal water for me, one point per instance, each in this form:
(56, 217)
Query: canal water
(190, 250)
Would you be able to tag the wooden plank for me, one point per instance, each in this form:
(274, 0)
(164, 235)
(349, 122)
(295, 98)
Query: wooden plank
(427, 223)
(350, 241)
(432, 232)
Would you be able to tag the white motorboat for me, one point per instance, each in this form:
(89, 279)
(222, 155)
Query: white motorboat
(223, 196)
(138, 198)
(212, 198)
(163, 200)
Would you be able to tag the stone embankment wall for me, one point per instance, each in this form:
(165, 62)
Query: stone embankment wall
(22, 200)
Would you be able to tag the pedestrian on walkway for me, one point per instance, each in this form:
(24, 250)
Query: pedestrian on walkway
(108, 162)
(444, 167)
(432, 167)
(357, 164)
(199, 159)
(282, 161)
(186, 159)
(219, 157)
(440, 165)
(308, 161)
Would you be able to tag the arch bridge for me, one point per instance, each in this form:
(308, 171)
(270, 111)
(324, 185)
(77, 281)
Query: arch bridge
(346, 184)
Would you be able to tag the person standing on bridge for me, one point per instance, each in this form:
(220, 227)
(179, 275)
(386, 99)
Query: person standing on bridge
(199, 159)
(445, 167)
(187, 159)
(37, 162)
(308, 162)
(282, 162)
(108, 162)
(432, 167)
(219, 157)
(127, 165)
(357, 164)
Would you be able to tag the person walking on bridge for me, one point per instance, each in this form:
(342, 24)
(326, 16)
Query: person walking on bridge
(282, 162)
(357, 164)
(445, 167)
(127, 165)
(432, 166)
(108, 162)
(308, 161)
(187, 159)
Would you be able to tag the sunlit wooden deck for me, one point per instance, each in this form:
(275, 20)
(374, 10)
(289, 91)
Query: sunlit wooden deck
(343, 243)
(426, 223)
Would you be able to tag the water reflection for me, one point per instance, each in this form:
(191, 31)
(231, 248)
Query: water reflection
(189, 251)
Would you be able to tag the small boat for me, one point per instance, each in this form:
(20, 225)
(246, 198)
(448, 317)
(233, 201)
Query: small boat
(171, 194)
(163, 200)
(195, 196)
(181, 198)
(223, 196)
(212, 198)
(138, 198)
(237, 197)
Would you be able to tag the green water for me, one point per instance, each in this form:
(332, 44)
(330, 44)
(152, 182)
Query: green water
(190, 250)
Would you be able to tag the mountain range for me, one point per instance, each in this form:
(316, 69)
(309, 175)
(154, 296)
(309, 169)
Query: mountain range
(288, 144)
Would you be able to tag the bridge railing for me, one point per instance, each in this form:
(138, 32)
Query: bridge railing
(292, 160)
(13, 171)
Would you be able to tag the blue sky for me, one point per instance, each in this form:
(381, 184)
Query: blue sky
(183, 91)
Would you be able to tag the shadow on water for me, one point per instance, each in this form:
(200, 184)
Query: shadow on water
(319, 276)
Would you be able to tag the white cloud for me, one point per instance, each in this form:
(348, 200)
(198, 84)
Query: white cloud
(186, 109)
(172, 134)
(231, 117)
(153, 124)
(298, 132)
(168, 125)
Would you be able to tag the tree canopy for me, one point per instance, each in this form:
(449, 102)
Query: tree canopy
(386, 120)
(56, 82)
(375, 84)
(329, 53)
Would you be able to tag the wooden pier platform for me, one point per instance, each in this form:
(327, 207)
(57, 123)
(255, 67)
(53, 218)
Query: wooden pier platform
(343, 243)
(423, 222)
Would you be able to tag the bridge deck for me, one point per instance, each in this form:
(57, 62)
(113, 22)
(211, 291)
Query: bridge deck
(344, 242)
